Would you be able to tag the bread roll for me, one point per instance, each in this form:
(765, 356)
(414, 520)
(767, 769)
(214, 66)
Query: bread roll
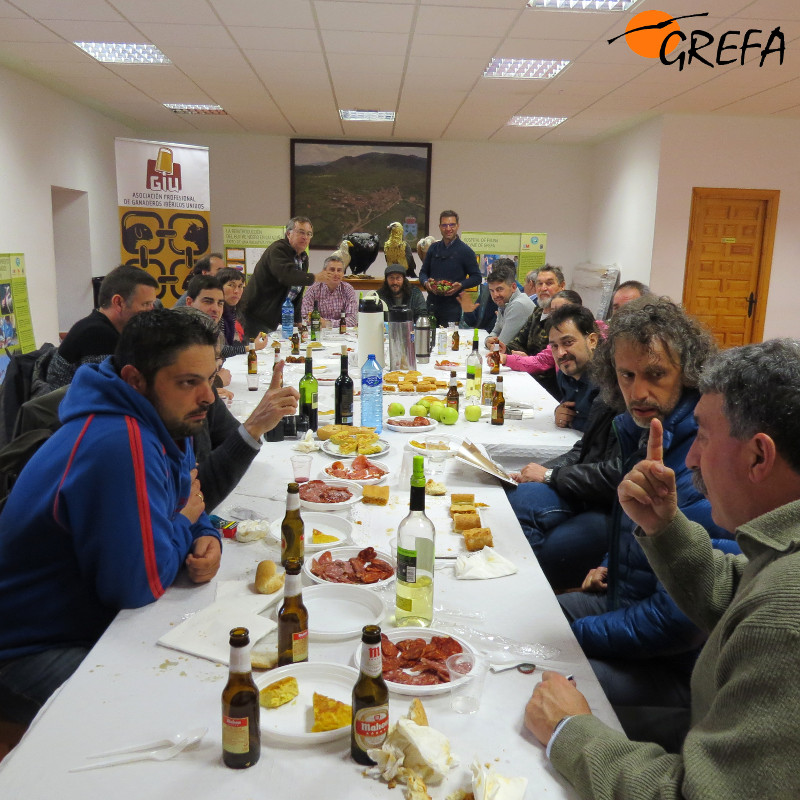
(463, 522)
(268, 580)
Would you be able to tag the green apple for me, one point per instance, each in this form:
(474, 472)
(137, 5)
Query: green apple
(472, 413)
(424, 402)
(397, 410)
(436, 409)
(418, 410)
(449, 416)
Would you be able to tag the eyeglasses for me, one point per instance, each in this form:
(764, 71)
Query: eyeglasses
(301, 232)
(448, 224)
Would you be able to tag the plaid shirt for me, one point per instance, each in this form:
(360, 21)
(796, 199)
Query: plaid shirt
(332, 303)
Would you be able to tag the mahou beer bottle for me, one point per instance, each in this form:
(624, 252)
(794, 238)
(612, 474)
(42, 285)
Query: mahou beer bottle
(451, 400)
(241, 727)
(495, 370)
(370, 699)
(498, 403)
(292, 528)
(292, 618)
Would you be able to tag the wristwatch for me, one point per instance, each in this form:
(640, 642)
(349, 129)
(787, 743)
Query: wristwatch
(548, 477)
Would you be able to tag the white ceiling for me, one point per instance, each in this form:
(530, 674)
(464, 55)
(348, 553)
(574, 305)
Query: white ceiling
(285, 67)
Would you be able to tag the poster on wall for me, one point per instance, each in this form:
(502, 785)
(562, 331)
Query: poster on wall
(527, 250)
(164, 209)
(16, 325)
(244, 244)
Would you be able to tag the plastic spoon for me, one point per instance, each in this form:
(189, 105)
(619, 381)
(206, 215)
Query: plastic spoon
(162, 754)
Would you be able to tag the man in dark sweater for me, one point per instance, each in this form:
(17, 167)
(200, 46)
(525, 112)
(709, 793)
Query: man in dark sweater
(124, 292)
(449, 260)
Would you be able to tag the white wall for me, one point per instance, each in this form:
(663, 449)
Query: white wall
(730, 152)
(623, 201)
(48, 140)
(493, 187)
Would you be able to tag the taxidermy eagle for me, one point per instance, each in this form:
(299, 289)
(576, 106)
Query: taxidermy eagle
(364, 249)
(398, 251)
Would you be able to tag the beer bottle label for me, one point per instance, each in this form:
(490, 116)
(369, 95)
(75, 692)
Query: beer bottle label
(300, 646)
(370, 726)
(235, 734)
(372, 660)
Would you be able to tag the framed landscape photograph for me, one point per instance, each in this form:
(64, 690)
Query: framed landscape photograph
(346, 186)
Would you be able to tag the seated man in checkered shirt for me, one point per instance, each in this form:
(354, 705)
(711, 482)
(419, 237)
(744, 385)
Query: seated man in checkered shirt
(332, 295)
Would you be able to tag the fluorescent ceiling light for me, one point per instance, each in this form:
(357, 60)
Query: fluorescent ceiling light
(524, 68)
(583, 5)
(114, 53)
(536, 122)
(355, 115)
(194, 108)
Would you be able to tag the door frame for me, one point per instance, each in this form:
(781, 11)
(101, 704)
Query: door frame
(772, 197)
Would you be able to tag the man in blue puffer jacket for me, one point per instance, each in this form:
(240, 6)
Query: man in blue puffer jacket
(640, 645)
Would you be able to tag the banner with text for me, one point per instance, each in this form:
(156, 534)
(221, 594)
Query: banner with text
(244, 244)
(527, 250)
(16, 325)
(164, 200)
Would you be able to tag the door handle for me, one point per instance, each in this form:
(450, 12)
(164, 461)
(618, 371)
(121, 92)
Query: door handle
(751, 304)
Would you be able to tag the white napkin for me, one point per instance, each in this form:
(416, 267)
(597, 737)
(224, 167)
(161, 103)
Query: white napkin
(207, 633)
(490, 785)
(486, 563)
(307, 444)
(250, 530)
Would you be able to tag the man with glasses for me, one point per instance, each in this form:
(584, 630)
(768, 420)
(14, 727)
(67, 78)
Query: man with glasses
(281, 272)
(450, 266)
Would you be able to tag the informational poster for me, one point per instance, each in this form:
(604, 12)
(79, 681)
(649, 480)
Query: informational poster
(164, 204)
(527, 250)
(16, 325)
(244, 244)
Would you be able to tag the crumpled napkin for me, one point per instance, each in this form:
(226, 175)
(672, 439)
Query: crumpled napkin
(250, 530)
(307, 444)
(490, 785)
(486, 563)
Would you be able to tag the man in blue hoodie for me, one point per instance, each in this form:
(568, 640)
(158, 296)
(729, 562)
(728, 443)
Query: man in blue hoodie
(641, 645)
(107, 512)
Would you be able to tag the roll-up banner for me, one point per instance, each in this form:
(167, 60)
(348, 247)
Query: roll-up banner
(164, 203)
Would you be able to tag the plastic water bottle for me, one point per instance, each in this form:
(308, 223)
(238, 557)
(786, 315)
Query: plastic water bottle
(372, 394)
(287, 318)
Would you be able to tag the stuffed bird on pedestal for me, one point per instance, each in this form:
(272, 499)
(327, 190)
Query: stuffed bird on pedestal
(363, 251)
(398, 251)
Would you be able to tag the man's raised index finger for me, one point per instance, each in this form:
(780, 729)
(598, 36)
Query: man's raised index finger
(655, 444)
(277, 375)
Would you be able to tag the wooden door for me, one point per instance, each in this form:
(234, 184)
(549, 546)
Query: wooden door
(728, 261)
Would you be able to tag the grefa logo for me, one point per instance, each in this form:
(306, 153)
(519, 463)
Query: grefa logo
(656, 34)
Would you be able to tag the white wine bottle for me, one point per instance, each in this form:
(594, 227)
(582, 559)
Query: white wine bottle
(416, 551)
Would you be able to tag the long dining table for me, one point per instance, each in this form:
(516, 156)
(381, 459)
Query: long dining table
(130, 688)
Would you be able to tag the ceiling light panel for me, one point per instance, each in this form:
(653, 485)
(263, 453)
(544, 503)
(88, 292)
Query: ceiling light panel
(195, 108)
(356, 115)
(524, 68)
(536, 122)
(120, 53)
(583, 5)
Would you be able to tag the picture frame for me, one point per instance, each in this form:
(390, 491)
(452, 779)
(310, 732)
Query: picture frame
(344, 186)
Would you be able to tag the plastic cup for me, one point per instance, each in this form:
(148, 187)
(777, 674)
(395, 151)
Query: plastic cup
(467, 674)
(301, 468)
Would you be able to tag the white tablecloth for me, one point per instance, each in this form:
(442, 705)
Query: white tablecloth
(130, 689)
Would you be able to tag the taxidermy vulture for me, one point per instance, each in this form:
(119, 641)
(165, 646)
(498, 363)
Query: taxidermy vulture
(364, 249)
(343, 253)
(398, 251)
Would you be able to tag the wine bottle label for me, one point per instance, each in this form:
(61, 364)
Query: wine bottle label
(314, 400)
(371, 659)
(370, 726)
(235, 734)
(300, 646)
(406, 565)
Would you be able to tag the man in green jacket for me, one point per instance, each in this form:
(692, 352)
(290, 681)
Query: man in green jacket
(744, 740)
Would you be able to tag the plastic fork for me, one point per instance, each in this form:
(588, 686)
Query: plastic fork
(169, 742)
(158, 754)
